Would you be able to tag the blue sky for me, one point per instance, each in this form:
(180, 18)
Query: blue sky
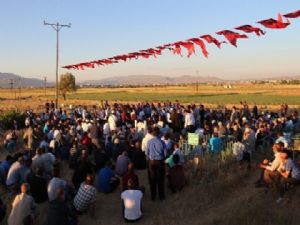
(106, 28)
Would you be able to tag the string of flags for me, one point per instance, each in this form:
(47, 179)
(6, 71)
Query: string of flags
(190, 44)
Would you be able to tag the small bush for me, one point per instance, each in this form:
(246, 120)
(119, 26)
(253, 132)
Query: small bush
(7, 119)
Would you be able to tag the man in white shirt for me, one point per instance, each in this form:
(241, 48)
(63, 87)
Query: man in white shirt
(270, 169)
(23, 206)
(54, 184)
(189, 121)
(14, 173)
(112, 121)
(131, 201)
(147, 138)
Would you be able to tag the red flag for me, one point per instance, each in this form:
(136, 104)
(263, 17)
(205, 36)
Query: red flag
(152, 51)
(275, 24)
(293, 14)
(80, 67)
(209, 39)
(250, 29)
(199, 42)
(98, 62)
(121, 57)
(176, 49)
(89, 65)
(189, 47)
(232, 36)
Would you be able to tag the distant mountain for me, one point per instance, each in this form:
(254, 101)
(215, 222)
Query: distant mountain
(5, 79)
(151, 80)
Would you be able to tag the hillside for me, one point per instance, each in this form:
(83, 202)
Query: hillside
(151, 79)
(20, 81)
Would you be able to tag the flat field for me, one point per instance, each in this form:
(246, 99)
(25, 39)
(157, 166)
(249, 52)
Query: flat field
(265, 95)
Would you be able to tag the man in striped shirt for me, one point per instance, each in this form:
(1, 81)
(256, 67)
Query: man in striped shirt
(86, 197)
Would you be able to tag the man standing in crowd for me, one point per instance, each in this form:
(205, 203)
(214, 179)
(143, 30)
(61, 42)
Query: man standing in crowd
(156, 154)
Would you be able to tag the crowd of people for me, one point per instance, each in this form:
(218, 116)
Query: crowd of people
(104, 145)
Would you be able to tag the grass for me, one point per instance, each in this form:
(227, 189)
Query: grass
(227, 98)
(266, 96)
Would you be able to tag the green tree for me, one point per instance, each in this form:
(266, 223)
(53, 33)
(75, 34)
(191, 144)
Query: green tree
(67, 84)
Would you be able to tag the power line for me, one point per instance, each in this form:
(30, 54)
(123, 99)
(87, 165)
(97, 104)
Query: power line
(57, 27)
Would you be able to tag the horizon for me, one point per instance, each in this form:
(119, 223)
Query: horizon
(287, 77)
(33, 56)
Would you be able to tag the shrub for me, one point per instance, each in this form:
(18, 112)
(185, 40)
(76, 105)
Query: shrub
(8, 117)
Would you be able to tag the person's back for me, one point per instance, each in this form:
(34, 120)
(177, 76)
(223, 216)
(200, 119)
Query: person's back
(86, 196)
(104, 179)
(100, 158)
(130, 175)
(176, 175)
(122, 164)
(14, 173)
(54, 184)
(215, 143)
(59, 212)
(38, 186)
(22, 206)
(82, 168)
(138, 158)
(131, 200)
(48, 160)
(38, 161)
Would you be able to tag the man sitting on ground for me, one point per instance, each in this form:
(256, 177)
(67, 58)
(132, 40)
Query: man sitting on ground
(59, 212)
(131, 202)
(122, 164)
(269, 169)
(85, 198)
(176, 175)
(54, 184)
(38, 186)
(107, 180)
(289, 172)
(130, 175)
(22, 206)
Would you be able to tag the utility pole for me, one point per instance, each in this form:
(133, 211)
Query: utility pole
(45, 84)
(197, 84)
(57, 27)
(11, 83)
(19, 88)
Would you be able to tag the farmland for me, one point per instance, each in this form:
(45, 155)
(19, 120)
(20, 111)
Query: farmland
(264, 95)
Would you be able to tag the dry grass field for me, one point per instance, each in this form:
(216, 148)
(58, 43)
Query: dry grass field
(264, 95)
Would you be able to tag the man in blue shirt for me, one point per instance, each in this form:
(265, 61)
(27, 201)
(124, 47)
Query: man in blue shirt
(4, 168)
(156, 154)
(215, 143)
(107, 180)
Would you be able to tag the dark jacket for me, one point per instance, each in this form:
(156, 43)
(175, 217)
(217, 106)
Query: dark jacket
(59, 213)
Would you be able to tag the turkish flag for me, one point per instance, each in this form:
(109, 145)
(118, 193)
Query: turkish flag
(275, 24)
(293, 14)
(209, 39)
(250, 29)
(200, 43)
(176, 49)
(189, 47)
(231, 36)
